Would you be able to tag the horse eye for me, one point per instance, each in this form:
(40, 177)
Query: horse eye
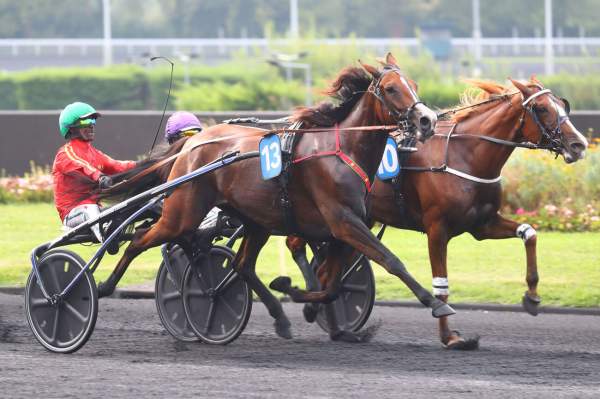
(390, 89)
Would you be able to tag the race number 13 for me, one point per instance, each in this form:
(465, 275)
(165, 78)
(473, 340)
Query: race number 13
(270, 156)
(389, 166)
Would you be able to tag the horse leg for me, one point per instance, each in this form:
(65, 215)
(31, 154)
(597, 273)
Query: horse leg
(349, 228)
(245, 265)
(142, 240)
(437, 239)
(297, 247)
(501, 227)
(330, 278)
(346, 226)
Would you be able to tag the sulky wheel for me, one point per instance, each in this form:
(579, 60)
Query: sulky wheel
(217, 302)
(67, 325)
(169, 302)
(356, 299)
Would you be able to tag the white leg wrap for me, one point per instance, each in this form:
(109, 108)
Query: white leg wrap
(525, 232)
(440, 286)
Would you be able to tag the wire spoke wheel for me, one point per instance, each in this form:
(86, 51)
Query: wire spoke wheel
(169, 302)
(355, 302)
(217, 316)
(66, 326)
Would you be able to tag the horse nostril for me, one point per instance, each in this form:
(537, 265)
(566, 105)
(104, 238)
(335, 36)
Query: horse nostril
(425, 123)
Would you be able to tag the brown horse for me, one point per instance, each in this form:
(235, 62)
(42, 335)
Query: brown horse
(327, 192)
(451, 185)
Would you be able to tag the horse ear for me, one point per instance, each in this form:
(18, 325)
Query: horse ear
(372, 70)
(522, 88)
(390, 59)
(536, 81)
(381, 61)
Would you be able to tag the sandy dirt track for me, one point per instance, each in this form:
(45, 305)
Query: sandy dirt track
(130, 355)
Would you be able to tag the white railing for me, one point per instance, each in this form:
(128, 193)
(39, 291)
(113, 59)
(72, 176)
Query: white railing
(261, 42)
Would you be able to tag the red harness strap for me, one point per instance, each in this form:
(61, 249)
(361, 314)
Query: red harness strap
(344, 157)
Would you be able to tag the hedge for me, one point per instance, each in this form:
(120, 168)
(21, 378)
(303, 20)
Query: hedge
(228, 86)
(8, 92)
(120, 87)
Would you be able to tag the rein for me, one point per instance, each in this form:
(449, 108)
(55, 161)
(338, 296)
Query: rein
(550, 136)
(336, 129)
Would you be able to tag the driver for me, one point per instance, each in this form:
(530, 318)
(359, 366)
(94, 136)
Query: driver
(77, 163)
(184, 124)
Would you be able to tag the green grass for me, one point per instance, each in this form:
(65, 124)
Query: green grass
(486, 271)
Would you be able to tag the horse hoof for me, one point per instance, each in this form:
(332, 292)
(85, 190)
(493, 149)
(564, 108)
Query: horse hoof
(350, 337)
(345, 336)
(531, 304)
(281, 284)
(462, 344)
(282, 327)
(442, 310)
(310, 312)
(105, 289)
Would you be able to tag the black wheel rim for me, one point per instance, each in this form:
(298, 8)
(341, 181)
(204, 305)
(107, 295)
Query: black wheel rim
(216, 318)
(169, 302)
(355, 302)
(66, 326)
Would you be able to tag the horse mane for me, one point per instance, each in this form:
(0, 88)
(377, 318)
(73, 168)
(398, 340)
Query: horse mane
(480, 92)
(347, 89)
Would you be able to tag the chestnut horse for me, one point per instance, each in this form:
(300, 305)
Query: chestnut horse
(451, 185)
(328, 190)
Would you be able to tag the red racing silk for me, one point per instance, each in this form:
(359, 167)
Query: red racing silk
(74, 160)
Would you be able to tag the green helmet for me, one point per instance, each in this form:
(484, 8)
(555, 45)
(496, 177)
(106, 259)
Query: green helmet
(73, 114)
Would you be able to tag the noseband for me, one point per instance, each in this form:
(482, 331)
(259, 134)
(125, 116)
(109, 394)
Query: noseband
(402, 119)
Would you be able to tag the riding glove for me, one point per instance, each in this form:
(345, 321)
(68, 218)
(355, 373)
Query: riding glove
(105, 182)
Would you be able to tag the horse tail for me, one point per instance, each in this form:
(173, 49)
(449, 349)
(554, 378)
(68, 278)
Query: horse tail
(145, 175)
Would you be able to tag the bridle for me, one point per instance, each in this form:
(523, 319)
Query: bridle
(401, 118)
(550, 138)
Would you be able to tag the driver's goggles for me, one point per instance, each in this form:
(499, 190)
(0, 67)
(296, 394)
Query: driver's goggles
(84, 123)
(191, 132)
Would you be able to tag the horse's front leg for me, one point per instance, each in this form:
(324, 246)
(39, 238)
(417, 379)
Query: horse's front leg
(500, 227)
(437, 240)
(348, 227)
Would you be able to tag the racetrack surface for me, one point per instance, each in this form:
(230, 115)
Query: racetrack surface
(130, 355)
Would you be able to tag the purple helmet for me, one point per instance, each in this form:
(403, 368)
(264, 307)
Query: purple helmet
(179, 122)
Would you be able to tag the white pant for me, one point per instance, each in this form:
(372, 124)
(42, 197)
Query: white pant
(210, 220)
(81, 214)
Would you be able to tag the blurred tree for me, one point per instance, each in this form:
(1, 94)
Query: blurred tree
(332, 18)
(48, 18)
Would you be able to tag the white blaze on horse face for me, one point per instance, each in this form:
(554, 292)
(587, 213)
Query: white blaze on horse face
(410, 89)
(440, 286)
(525, 232)
(564, 119)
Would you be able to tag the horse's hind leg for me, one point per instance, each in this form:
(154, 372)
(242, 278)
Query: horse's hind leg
(501, 227)
(142, 240)
(245, 264)
(297, 247)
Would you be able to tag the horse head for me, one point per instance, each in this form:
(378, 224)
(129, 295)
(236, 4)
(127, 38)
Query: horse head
(546, 122)
(398, 98)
